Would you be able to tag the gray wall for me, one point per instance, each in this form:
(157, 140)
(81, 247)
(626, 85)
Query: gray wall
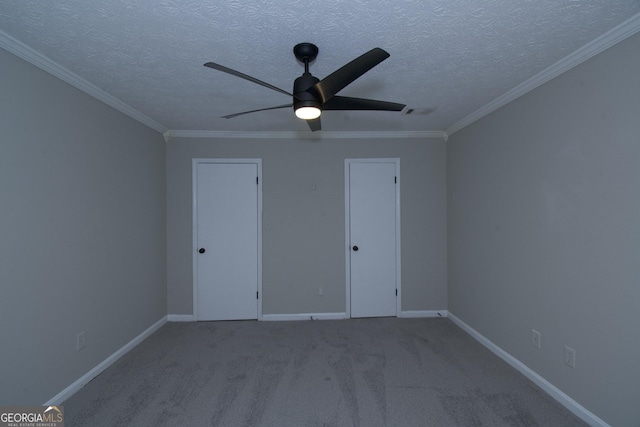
(82, 232)
(304, 231)
(544, 230)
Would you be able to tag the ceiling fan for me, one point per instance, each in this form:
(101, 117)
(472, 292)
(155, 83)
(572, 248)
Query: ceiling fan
(311, 95)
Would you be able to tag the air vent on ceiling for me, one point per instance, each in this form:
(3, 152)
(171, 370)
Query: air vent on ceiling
(418, 111)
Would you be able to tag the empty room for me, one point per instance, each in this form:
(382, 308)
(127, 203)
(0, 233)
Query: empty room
(320, 213)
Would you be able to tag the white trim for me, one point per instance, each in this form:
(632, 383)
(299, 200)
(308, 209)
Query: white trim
(423, 313)
(259, 162)
(39, 60)
(194, 163)
(302, 135)
(347, 217)
(303, 316)
(608, 39)
(398, 242)
(566, 401)
(86, 378)
(347, 242)
(194, 236)
(181, 318)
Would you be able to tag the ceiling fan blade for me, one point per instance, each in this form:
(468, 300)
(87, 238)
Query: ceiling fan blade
(230, 116)
(336, 81)
(244, 76)
(348, 103)
(314, 124)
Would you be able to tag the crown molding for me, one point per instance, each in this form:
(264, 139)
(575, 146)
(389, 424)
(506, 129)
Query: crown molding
(302, 135)
(28, 54)
(605, 41)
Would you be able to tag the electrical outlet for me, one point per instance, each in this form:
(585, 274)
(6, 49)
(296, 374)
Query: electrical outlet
(570, 356)
(80, 341)
(536, 339)
(321, 291)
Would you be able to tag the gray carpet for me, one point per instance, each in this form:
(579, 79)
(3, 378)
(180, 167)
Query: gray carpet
(359, 372)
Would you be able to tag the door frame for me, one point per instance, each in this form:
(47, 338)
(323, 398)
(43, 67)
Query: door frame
(347, 226)
(194, 238)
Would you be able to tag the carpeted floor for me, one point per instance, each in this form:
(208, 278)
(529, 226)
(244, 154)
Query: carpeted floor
(358, 372)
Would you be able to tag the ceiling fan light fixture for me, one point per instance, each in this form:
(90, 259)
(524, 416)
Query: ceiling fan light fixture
(308, 113)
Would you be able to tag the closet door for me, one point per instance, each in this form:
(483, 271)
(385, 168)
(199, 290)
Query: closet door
(373, 207)
(227, 217)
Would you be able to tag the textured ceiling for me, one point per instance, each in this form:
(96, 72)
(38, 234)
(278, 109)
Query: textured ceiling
(454, 56)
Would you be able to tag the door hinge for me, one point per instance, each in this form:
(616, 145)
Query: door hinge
(257, 295)
(257, 180)
(396, 292)
(395, 179)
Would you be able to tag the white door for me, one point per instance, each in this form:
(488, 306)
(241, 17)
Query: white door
(373, 249)
(227, 218)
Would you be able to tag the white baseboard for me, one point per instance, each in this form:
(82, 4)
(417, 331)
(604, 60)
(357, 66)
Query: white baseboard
(566, 401)
(304, 316)
(423, 313)
(181, 318)
(338, 316)
(84, 380)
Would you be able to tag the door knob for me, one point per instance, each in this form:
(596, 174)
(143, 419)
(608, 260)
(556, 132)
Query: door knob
(355, 248)
(202, 250)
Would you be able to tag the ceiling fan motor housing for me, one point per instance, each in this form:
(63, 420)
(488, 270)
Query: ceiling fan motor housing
(302, 97)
